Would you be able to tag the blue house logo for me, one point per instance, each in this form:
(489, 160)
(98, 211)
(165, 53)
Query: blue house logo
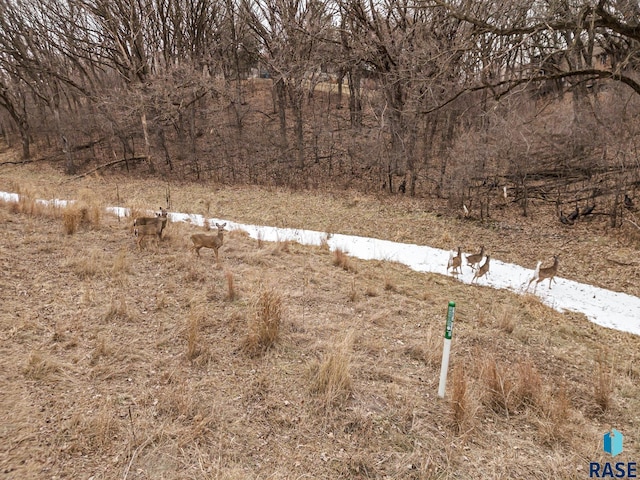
(613, 446)
(613, 442)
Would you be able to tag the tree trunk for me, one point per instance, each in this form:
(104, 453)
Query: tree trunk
(281, 104)
(355, 98)
(25, 137)
(147, 143)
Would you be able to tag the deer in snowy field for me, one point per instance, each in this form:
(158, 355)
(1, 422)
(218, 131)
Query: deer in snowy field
(475, 259)
(483, 270)
(543, 273)
(455, 263)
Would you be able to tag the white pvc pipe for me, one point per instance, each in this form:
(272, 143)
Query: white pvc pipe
(444, 367)
(446, 350)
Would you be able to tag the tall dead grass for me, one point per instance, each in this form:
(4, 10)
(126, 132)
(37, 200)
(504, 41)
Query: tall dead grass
(232, 294)
(265, 322)
(460, 399)
(331, 378)
(28, 205)
(342, 260)
(193, 333)
(81, 214)
(603, 386)
(553, 418)
(509, 388)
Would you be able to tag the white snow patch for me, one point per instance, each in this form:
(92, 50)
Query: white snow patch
(611, 309)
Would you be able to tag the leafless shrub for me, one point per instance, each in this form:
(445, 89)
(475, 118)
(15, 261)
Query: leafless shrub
(28, 205)
(90, 209)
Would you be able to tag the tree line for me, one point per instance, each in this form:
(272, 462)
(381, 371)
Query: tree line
(454, 98)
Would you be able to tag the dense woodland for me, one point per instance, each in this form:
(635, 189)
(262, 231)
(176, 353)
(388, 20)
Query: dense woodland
(455, 99)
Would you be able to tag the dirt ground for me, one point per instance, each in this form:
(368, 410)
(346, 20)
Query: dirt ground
(124, 363)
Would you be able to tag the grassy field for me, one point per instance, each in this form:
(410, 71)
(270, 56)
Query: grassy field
(290, 361)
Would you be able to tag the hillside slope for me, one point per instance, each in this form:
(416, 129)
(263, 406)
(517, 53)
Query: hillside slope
(119, 363)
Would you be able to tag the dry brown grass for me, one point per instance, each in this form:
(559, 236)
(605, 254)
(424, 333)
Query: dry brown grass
(117, 310)
(507, 318)
(232, 294)
(70, 220)
(264, 325)
(87, 266)
(342, 260)
(603, 381)
(460, 399)
(353, 291)
(41, 367)
(119, 398)
(331, 377)
(121, 263)
(193, 333)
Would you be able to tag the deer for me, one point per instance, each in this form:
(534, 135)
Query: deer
(483, 270)
(543, 273)
(160, 218)
(201, 240)
(151, 229)
(455, 263)
(475, 259)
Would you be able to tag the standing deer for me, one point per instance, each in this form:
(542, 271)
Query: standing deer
(149, 230)
(455, 263)
(544, 273)
(475, 259)
(201, 240)
(160, 218)
(483, 270)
